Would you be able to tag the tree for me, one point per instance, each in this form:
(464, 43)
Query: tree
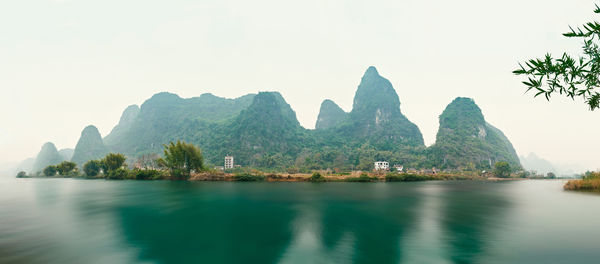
(21, 174)
(50, 171)
(92, 168)
(181, 159)
(317, 177)
(112, 162)
(66, 167)
(502, 169)
(566, 75)
(551, 175)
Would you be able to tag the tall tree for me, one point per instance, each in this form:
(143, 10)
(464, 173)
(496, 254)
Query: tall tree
(502, 169)
(112, 162)
(567, 75)
(92, 168)
(181, 159)
(50, 171)
(66, 167)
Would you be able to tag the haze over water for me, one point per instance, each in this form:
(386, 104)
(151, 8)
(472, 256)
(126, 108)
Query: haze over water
(95, 221)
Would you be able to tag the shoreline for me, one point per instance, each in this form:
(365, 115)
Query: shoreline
(300, 177)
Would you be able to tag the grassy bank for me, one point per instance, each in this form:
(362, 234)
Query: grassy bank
(589, 183)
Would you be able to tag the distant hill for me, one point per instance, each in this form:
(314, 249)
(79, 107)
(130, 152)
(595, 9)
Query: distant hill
(66, 154)
(89, 147)
(48, 155)
(330, 115)
(376, 116)
(261, 130)
(167, 117)
(464, 138)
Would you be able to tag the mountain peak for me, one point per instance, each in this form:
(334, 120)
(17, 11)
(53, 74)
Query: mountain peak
(330, 115)
(90, 130)
(463, 130)
(48, 155)
(90, 146)
(371, 71)
(462, 112)
(375, 92)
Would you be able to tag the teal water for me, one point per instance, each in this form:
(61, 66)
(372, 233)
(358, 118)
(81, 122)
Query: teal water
(95, 221)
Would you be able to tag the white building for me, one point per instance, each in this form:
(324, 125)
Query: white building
(382, 165)
(399, 168)
(228, 162)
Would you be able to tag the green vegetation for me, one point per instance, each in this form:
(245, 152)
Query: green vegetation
(262, 132)
(247, 177)
(89, 147)
(502, 169)
(147, 174)
(50, 171)
(67, 168)
(92, 168)
(407, 177)
(567, 75)
(465, 140)
(589, 182)
(118, 174)
(112, 162)
(181, 159)
(48, 155)
(364, 177)
(330, 115)
(22, 174)
(317, 177)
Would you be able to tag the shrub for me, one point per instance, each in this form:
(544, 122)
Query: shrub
(246, 177)
(22, 174)
(181, 159)
(364, 177)
(92, 168)
(317, 177)
(66, 168)
(118, 174)
(583, 185)
(50, 171)
(407, 177)
(112, 162)
(147, 175)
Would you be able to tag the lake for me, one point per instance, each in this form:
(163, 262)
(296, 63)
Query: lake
(97, 221)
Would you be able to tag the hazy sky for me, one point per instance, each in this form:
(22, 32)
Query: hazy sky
(66, 64)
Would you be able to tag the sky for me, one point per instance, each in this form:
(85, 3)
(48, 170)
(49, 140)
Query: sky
(65, 64)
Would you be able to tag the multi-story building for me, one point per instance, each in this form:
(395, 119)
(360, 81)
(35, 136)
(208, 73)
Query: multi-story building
(228, 162)
(382, 165)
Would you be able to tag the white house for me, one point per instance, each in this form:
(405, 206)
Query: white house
(382, 165)
(228, 162)
(399, 168)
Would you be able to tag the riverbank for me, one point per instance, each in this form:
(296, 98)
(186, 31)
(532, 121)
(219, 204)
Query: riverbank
(316, 177)
(589, 183)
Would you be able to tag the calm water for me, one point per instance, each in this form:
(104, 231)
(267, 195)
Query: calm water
(95, 221)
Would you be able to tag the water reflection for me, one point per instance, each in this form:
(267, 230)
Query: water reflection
(76, 221)
(245, 226)
(470, 213)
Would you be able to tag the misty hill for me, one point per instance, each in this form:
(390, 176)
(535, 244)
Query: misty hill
(89, 147)
(66, 154)
(125, 123)
(25, 165)
(167, 117)
(376, 116)
(330, 115)
(261, 130)
(48, 155)
(464, 138)
(533, 162)
(266, 134)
